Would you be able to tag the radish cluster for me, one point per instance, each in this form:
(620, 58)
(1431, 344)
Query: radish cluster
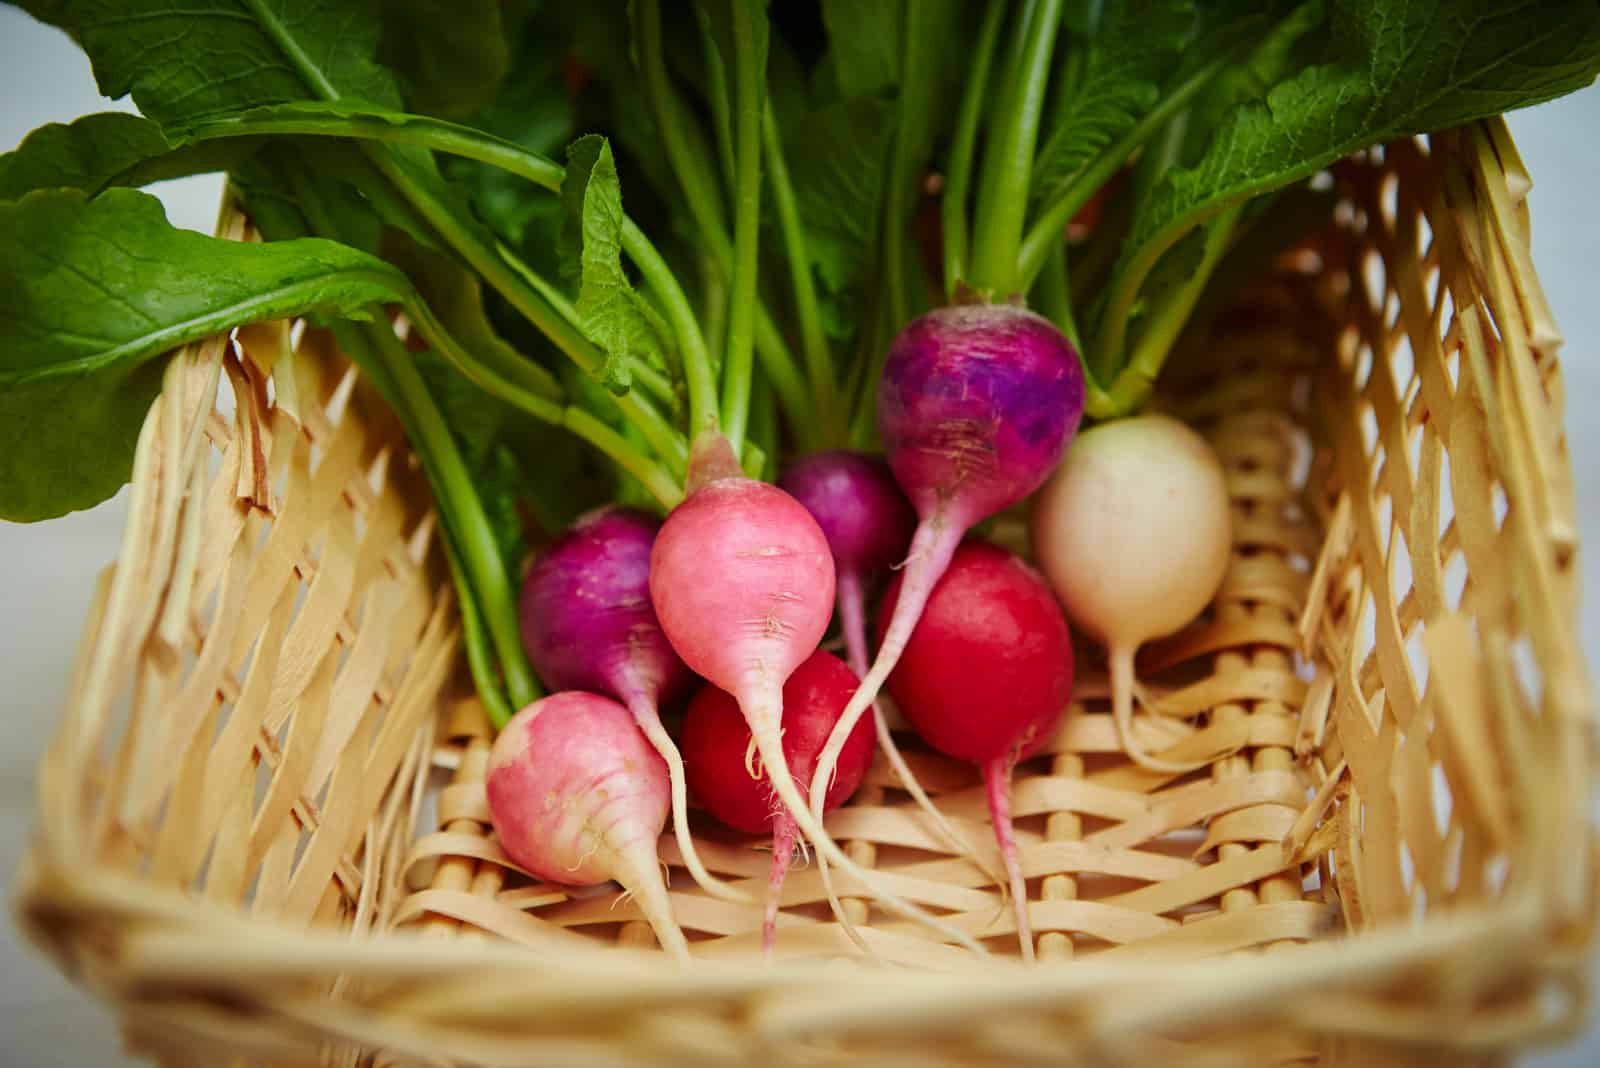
(738, 586)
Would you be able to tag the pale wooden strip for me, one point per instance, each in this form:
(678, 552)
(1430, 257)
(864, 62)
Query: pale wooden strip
(1228, 932)
(288, 778)
(1210, 881)
(230, 753)
(1259, 823)
(1189, 805)
(1204, 638)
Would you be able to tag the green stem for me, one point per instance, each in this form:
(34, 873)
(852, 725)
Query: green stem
(1050, 294)
(652, 476)
(439, 136)
(475, 640)
(1052, 220)
(902, 180)
(678, 134)
(1133, 384)
(534, 291)
(813, 342)
(654, 382)
(953, 206)
(717, 95)
(663, 283)
(737, 363)
(687, 153)
(764, 428)
(488, 576)
(1008, 171)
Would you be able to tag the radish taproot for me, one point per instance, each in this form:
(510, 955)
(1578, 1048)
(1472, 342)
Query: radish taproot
(976, 404)
(743, 583)
(1134, 533)
(868, 523)
(578, 796)
(985, 677)
(716, 739)
(588, 624)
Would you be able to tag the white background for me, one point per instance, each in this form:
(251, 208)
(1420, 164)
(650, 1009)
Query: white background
(47, 571)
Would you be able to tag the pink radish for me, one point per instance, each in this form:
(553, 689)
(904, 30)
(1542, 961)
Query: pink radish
(716, 739)
(588, 624)
(578, 796)
(1135, 533)
(976, 404)
(742, 581)
(985, 678)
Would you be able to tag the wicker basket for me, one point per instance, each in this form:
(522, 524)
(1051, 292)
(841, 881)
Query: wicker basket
(263, 832)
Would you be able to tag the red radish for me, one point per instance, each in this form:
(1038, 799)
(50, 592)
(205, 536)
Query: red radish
(588, 624)
(577, 796)
(985, 678)
(716, 739)
(1135, 534)
(742, 580)
(868, 523)
(976, 404)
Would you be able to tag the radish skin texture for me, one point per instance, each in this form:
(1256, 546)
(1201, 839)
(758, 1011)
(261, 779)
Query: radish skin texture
(743, 583)
(716, 739)
(976, 404)
(986, 677)
(853, 497)
(578, 796)
(588, 624)
(868, 523)
(1135, 534)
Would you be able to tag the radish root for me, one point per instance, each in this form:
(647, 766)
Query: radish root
(997, 781)
(1123, 685)
(649, 720)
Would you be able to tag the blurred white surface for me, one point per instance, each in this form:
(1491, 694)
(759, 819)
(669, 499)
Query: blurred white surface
(47, 571)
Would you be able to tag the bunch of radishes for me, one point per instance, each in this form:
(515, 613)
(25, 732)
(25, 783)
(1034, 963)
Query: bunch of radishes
(976, 405)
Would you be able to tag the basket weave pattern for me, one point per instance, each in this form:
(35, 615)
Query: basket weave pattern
(264, 836)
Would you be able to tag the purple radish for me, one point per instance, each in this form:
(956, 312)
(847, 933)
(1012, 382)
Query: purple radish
(975, 406)
(588, 624)
(743, 583)
(868, 523)
(578, 796)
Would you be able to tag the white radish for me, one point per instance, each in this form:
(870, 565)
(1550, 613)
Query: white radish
(1134, 532)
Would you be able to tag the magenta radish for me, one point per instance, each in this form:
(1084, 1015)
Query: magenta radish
(716, 739)
(985, 678)
(868, 523)
(578, 796)
(588, 624)
(743, 583)
(1134, 532)
(976, 404)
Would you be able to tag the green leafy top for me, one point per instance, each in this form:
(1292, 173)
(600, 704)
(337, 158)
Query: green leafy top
(91, 291)
(781, 164)
(614, 315)
(208, 57)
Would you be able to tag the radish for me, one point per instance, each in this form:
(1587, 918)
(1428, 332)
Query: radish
(868, 523)
(975, 405)
(716, 738)
(588, 624)
(985, 678)
(578, 796)
(743, 583)
(1134, 532)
